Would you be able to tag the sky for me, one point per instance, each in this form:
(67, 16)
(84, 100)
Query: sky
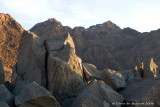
(141, 15)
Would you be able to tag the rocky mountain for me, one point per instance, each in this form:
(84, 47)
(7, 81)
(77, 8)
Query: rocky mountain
(107, 45)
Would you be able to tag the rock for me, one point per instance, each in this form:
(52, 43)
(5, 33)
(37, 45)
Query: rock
(2, 76)
(107, 79)
(5, 95)
(64, 71)
(10, 35)
(139, 91)
(3, 104)
(34, 95)
(128, 74)
(151, 97)
(154, 68)
(31, 60)
(92, 72)
(19, 87)
(116, 77)
(97, 94)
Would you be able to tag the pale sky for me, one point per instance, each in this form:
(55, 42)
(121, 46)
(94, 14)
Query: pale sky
(141, 15)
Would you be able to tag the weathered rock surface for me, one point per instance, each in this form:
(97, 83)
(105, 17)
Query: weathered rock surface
(97, 94)
(5, 95)
(34, 95)
(31, 60)
(116, 77)
(10, 35)
(3, 104)
(64, 71)
(154, 68)
(152, 96)
(92, 72)
(2, 76)
(142, 90)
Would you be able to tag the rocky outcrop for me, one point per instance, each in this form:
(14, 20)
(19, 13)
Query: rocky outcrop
(116, 77)
(5, 95)
(10, 35)
(2, 76)
(31, 60)
(64, 70)
(97, 94)
(154, 68)
(34, 95)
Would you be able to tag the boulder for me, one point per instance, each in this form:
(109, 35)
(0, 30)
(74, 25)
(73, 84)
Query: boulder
(97, 94)
(5, 95)
(64, 71)
(142, 91)
(34, 95)
(92, 72)
(154, 68)
(128, 74)
(151, 97)
(31, 60)
(2, 76)
(3, 104)
(116, 77)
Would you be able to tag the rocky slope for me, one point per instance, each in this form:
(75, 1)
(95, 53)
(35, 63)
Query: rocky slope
(107, 45)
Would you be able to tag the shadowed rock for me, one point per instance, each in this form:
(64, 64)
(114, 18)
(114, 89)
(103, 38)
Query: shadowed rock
(3, 104)
(34, 95)
(5, 95)
(2, 76)
(97, 94)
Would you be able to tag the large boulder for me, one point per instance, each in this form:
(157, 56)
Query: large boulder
(64, 70)
(2, 76)
(31, 60)
(116, 77)
(92, 72)
(34, 95)
(97, 94)
(5, 95)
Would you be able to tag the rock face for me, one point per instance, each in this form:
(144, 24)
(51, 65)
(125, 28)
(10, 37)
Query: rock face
(97, 94)
(64, 70)
(152, 96)
(5, 95)
(10, 35)
(138, 90)
(2, 76)
(153, 68)
(31, 60)
(116, 77)
(34, 95)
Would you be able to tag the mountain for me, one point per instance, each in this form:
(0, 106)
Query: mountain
(107, 45)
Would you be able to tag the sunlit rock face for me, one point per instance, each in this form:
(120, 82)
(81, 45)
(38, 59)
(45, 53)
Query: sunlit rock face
(154, 68)
(10, 35)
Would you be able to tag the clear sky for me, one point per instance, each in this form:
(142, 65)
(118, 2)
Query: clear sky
(141, 15)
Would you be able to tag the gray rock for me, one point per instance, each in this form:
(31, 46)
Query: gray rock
(5, 95)
(97, 94)
(117, 78)
(2, 76)
(34, 95)
(3, 104)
